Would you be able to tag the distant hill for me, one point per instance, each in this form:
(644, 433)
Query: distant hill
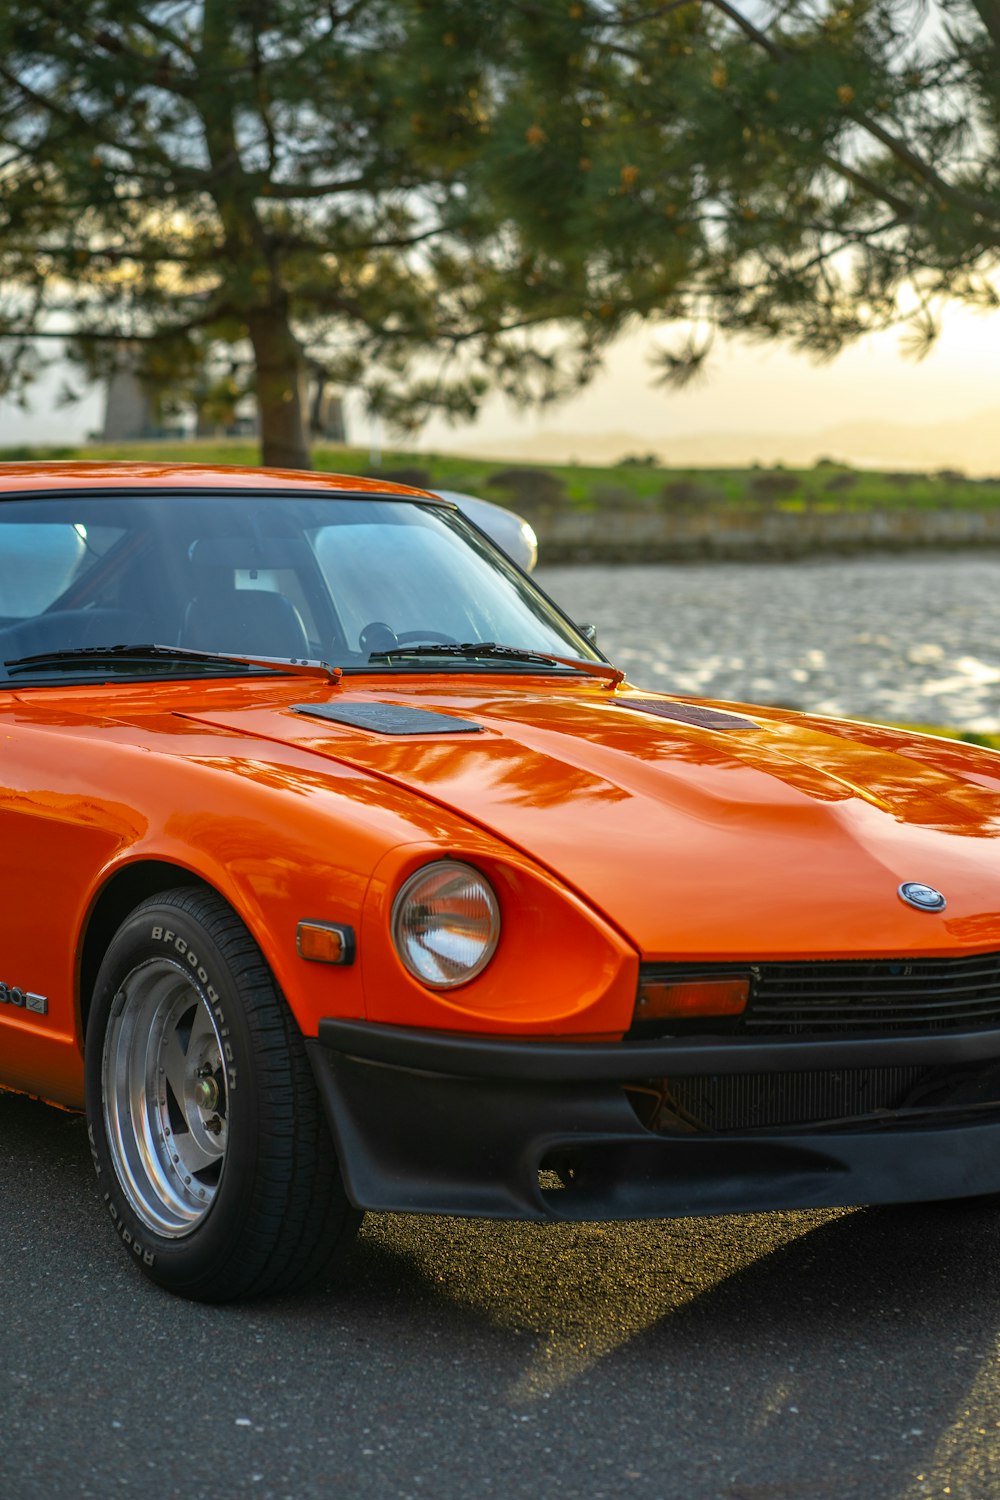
(972, 445)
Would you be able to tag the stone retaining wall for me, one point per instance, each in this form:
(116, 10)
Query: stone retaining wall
(654, 536)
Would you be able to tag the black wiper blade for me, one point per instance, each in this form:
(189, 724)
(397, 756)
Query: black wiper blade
(487, 649)
(491, 651)
(153, 651)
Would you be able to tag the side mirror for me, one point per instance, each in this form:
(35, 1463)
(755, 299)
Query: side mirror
(511, 532)
(589, 633)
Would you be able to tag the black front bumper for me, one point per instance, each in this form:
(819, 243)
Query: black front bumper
(432, 1122)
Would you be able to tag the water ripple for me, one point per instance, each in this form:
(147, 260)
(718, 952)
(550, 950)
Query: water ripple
(900, 638)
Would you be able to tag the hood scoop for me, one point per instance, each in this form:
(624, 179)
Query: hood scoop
(388, 718)
(689, 713)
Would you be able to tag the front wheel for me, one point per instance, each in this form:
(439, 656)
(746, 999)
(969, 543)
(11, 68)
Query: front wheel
(211, 1150)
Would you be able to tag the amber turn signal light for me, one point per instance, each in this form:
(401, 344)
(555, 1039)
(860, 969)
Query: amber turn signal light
(676, 999)
(325, 942)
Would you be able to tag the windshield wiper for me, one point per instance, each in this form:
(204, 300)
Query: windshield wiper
(491, 651)
(70, 656)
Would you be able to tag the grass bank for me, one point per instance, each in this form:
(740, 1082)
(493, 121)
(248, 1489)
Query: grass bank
(636, 484)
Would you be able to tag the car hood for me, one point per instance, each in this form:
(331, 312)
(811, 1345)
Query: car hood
(761, 834)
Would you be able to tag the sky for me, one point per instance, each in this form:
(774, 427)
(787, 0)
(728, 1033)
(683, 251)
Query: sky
(777, 403)
(762, 403)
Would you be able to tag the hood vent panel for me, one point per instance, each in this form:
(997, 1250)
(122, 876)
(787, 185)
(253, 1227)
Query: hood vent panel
(689, 713)
(387, 718)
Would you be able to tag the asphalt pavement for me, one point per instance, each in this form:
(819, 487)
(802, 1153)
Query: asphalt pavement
(820, 1354)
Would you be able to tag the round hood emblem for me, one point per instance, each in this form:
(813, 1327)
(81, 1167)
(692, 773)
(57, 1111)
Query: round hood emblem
(923, 897)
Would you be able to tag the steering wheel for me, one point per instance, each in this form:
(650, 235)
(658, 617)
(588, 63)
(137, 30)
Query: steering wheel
(377, 636)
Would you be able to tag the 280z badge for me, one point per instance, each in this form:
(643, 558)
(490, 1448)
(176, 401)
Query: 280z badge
(12, 994)
(923, 897)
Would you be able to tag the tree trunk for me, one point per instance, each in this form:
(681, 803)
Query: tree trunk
(280, 370)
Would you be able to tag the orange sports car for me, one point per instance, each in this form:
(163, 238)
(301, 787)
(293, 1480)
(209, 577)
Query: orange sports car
(342, 872)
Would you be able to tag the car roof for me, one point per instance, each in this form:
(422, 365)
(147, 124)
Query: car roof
(50, 474)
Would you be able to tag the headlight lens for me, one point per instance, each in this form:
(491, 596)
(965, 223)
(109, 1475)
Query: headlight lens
(445, 923)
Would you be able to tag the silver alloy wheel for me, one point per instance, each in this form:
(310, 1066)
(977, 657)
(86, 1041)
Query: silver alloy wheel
(165, 1097)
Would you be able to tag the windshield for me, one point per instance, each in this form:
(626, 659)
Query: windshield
(289, 576)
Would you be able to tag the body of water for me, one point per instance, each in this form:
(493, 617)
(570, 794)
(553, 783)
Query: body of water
(911, 639)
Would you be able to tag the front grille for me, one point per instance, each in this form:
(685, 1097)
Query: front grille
(926, 994)
(756, 1101)
(848, 995)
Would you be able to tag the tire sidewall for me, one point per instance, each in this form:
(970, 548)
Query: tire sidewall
(162, 930)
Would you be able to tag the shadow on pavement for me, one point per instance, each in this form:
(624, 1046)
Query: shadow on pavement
(795, 1354)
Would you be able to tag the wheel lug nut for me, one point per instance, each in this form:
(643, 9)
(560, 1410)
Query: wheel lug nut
(206, 1093)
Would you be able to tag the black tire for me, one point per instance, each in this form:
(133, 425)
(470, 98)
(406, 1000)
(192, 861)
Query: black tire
(212, 1153)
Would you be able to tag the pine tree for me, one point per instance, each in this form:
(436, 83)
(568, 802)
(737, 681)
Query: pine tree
(232, 192)
(808, 170)
(427, 200)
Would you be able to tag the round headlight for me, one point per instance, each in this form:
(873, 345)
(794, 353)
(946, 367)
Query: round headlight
(445, 923)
